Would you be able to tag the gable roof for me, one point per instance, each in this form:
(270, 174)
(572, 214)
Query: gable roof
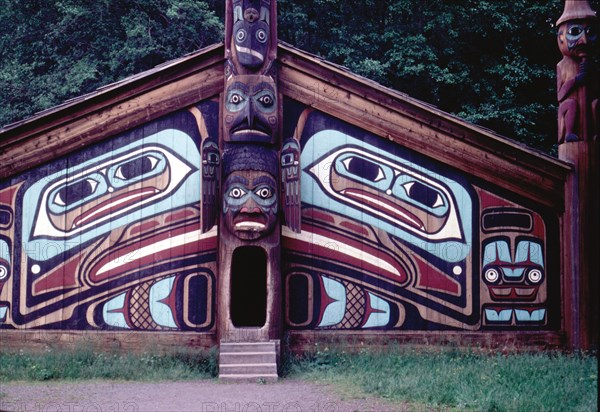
(303, 77)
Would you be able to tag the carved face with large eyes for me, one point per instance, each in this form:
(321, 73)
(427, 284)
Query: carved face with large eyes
(250, 204)
(577, 37)
(251, 29)
(250, 109)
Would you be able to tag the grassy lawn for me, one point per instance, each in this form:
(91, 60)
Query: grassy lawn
(424, 378)
(84, 364)
(451, 379)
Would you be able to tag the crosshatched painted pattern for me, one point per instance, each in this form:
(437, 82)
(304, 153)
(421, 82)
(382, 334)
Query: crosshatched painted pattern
(393, 240)
(111, 237)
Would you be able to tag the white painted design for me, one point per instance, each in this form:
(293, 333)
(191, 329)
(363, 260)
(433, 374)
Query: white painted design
(166, 244)
(350, 251)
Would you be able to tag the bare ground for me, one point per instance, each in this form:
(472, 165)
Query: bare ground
(205, 395)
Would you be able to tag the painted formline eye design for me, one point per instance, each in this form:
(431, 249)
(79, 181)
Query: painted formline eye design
(75, 192)
(100, 193)
(388, 191)
(261, 36)
(511, 278)
(237, 193)
(350, 177)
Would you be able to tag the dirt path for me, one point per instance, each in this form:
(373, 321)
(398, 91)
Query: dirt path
(205, 396)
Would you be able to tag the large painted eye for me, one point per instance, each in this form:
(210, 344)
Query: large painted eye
(423, 194)
(136, 167)
(3, 271)
(535, 275)
(261, 35)
(575, 30)
(266, 100)
(235, 98)
(363, 168)
(264, 192)
(236, 193)
(491, 275)
(240, 36)
(74, 192)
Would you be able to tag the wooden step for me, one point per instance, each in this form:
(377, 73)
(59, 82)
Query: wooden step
(247, 346)
(247, 357)
(248, 361)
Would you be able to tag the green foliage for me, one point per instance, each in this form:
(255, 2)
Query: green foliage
(86, 364)
(459, 379)
(52, 51)
(489, 62)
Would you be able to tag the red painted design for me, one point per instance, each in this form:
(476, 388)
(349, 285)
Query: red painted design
(180, 215)
(318, 215)
(331, 252)
(432, 279)
(7, 195)
(131, 260)
(513, 293)
(63, 277)
(355, 228)
(171, 300)
(144, 227)
(112, 205)
(489, 200)
(369, 310)
(384, 206)
(125, 309)
(326, 300)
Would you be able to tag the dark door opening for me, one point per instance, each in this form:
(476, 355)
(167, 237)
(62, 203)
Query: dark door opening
(248, 304)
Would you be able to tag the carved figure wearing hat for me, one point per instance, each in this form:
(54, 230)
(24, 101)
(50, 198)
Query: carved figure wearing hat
(577, 81)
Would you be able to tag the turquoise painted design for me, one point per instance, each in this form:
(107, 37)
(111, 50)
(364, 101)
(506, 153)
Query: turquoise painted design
(381, 188)
(504, 315)
(537, 315)
(160, 311)
(334, 312)
(381, 312)
(112, 312)
(166, 161)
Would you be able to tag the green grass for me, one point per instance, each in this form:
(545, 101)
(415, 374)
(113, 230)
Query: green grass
(422, 378)
(85, 364)
(452, 379)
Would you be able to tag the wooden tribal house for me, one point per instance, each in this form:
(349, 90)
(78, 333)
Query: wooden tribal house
(250, 194)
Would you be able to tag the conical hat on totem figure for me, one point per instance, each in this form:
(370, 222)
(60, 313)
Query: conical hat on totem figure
(576, 10)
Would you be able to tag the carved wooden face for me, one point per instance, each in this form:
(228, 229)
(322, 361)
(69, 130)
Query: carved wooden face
(250, 35)
(576, 38)
(250, 111)
(250, 204)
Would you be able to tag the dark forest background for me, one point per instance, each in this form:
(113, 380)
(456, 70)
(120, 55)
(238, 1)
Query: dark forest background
(491, 62)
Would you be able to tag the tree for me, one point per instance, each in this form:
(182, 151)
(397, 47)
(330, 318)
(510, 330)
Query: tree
(52, 51)
(490, 62)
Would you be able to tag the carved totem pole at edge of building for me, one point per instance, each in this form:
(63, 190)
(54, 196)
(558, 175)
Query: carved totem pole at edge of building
(578, 126)
(255, 194)
(577, 77)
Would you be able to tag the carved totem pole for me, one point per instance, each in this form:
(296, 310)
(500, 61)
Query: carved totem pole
(250, 144)
(577, 90)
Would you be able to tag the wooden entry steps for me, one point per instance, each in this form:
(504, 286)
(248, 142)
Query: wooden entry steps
(248, 361)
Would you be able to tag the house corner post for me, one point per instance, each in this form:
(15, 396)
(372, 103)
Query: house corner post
(577, 92)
